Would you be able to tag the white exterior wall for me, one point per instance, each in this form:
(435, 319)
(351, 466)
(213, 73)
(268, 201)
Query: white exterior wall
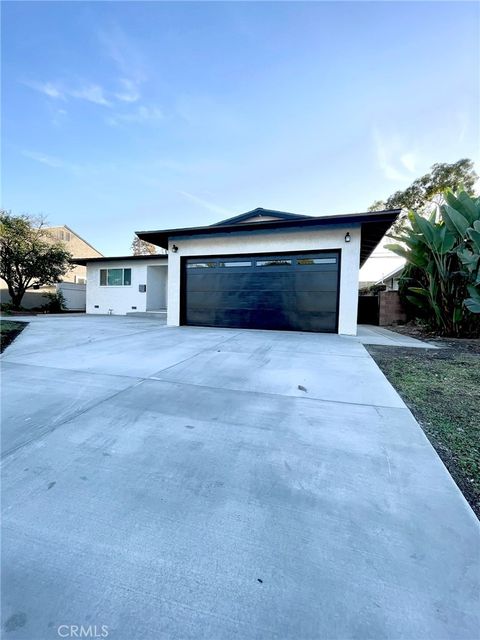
(275, 242)
(156, 287)
(74, 295)
(119, 299)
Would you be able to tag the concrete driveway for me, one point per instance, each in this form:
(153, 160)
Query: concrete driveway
(208, 483)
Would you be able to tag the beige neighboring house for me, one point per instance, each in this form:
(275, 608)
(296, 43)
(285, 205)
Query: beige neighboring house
(78, 247)
(73, 285)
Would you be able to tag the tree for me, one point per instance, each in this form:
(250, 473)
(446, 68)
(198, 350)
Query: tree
(426, 193)
(142, 247)
(28, 257)
(443, 264)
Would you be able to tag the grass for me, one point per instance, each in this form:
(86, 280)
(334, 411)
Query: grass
(442, 389)
(9, 330)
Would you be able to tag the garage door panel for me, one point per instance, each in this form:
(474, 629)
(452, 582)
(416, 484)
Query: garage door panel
(243, 300)
(316, 281)
(316, 301)
(286, 291)
(316, 321)
(218, 281)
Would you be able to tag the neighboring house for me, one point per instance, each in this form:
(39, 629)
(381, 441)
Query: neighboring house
(78, 247)
(391, 279)
(381, 262)
(262, 270)
(73, 285)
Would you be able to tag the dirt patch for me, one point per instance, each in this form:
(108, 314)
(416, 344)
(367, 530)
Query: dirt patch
(463, 345)
(442, 389)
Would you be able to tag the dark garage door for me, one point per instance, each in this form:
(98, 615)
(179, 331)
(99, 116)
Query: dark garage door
(282, 291)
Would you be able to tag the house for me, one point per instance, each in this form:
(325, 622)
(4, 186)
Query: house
(74, 281)
(78, 247)
(391, 280)
(263, 269)
(127, 284)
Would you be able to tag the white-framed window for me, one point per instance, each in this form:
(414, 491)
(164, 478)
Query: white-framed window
(115, 277)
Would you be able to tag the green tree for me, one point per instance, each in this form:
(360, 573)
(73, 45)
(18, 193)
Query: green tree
(28, 257)
(426, 193)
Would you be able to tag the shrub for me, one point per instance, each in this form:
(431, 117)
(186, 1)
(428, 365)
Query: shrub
(442, 278)
(56, 302)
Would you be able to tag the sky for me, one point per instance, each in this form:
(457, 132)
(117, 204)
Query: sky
(125, 116)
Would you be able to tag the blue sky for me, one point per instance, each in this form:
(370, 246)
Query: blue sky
(122, 116)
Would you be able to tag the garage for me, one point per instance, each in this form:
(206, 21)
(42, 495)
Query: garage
(269, 269)
(287, 291)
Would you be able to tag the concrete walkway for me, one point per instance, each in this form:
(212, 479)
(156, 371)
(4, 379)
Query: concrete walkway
(369, 334)
(213, 483)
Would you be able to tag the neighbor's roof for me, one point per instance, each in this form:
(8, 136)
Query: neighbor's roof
(65, 226)
(392, 274)
(155, 256)
(374, 226)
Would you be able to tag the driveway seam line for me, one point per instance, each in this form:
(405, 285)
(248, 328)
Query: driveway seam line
(79, 344)
(198, 353)
(281, 395)
(45, 432)
(86, 371)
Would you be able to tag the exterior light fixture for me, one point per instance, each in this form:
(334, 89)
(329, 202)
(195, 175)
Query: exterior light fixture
(347, 237)
(174, 248)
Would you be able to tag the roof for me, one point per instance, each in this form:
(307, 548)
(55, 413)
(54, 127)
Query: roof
(374, 226)
(65, 226)
(259, 212)
(85, 261)
(392, 274)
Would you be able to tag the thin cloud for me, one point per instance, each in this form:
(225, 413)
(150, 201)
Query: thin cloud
(49, 89)
(392, 161)
(89, 92)
(53, 162)
(130, 92)
(92, 93)
(128, 59)
(141, 115)
(210, 206)
(409, 161)
(43, 158)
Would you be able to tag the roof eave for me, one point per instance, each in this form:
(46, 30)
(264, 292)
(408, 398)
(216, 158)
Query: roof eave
(381, 219)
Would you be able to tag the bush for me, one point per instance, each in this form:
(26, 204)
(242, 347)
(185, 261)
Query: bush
(442, 277)
(56, 302)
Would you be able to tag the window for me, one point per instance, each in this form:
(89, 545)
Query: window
(63, 235)
(316, 261)
(239, 263)
(273, 263)
(201, 265)
(115, 277)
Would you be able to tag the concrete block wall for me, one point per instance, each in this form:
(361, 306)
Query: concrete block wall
(391, 310)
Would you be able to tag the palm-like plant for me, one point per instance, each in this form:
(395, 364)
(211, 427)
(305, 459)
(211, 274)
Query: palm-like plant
(446, 254)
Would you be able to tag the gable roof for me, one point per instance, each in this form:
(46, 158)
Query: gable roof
(392, 274)
(374, 226)
(260, 212)
(79, 237)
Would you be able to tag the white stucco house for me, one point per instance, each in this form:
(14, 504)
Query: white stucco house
(263, 269)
